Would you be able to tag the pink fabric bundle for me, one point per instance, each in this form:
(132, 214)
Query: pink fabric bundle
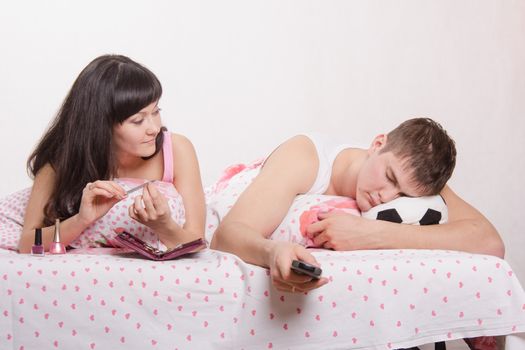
(340, 204)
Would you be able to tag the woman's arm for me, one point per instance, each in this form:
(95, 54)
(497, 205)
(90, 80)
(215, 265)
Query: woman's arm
(187, 181)
(34, 215)
(152, 207)
(97, 199)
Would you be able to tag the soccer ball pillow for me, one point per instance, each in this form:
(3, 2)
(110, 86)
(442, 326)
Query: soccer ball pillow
(427, 210)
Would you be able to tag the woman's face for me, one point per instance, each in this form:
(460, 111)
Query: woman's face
(137, 134)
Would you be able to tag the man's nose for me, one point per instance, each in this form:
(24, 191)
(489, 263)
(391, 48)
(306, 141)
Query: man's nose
(388, 194)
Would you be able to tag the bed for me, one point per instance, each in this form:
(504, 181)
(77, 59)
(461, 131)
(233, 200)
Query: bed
(105, 298)
(108, 298)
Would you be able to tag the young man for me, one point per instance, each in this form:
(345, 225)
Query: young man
(415, 159)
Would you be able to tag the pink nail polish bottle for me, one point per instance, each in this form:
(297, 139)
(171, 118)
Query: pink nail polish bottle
(57, 247)
(38, 249)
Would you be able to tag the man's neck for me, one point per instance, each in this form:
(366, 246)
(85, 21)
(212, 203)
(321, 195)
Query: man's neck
(345, 170)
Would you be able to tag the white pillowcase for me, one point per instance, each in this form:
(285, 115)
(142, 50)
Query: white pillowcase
(415, 211)
(304, 209)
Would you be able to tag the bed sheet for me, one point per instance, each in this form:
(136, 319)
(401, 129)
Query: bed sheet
(212, 300)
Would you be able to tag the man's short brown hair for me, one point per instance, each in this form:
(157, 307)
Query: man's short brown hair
(426, 150)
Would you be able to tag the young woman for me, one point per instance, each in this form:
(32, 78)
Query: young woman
(107, 138)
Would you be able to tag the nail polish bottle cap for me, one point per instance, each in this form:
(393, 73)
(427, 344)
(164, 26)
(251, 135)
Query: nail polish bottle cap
(56, 237)
(38, 236)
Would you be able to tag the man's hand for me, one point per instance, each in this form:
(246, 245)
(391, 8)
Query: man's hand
(341, 231)
(280, 263)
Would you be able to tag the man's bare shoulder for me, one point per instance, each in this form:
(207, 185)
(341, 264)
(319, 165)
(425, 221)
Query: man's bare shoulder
(295, 162)
(299, 147)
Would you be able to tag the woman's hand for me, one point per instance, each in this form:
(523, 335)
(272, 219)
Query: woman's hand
(97, 198)
(152, 209)
(280, 262)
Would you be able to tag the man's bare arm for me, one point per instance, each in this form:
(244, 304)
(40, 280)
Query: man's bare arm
(467, 230)
(290, 170)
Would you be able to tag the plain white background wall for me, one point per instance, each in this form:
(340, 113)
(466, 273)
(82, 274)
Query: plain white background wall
(241, 76)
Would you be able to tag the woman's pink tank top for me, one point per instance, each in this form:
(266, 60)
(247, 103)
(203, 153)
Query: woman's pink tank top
(102, 232)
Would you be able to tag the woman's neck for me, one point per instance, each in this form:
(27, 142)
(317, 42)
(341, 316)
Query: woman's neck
(136, 167)
(128, 164)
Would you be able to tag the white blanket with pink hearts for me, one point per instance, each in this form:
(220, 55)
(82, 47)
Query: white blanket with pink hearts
(105, 298)
(213, 300)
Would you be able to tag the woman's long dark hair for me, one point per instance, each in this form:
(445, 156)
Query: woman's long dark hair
(78, 143)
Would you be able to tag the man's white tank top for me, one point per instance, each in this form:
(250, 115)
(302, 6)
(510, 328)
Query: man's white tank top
(327, 150)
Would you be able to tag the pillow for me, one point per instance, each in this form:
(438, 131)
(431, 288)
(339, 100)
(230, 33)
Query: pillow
(305, 208)
(427, 210)
(12, 211)
(101, 232)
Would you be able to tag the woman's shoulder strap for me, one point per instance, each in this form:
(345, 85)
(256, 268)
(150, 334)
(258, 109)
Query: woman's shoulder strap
(167, 151)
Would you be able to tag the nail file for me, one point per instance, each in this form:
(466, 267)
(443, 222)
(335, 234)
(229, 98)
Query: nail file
(139, 186)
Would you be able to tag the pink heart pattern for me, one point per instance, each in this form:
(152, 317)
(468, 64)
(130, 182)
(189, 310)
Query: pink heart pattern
(242, 312)
(99, 299)
(100, 233)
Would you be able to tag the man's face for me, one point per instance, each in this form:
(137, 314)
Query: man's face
(383, 178)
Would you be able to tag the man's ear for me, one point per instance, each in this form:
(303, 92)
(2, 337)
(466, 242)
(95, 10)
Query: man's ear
(378, 143)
